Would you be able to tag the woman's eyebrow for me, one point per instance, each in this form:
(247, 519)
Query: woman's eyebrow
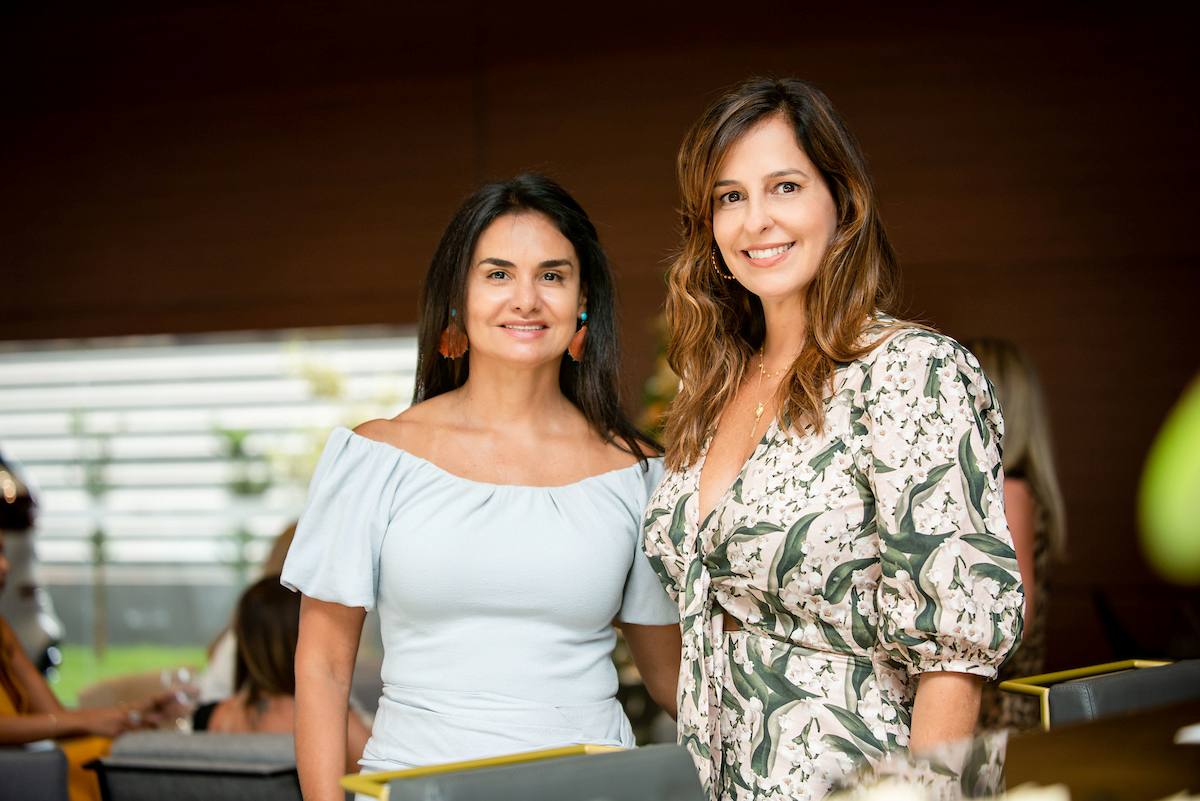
(548, 263)
(776, 174)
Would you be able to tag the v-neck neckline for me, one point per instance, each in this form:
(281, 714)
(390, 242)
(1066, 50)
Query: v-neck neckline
(703, 521)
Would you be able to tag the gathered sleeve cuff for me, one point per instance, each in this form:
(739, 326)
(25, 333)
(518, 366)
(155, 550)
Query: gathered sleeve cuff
(645, 601)
(950, 595)
(335, 554)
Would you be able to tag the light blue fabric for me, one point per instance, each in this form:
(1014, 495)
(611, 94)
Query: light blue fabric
(495, 601)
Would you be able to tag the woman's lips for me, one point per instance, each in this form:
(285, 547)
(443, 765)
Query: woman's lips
(524, 330)
(767, 256)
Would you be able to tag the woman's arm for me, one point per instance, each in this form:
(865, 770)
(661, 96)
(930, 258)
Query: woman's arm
(656, 652)
(325, 655)
(1019, 511)
(357, 735)
(47, 718)
(946, 709)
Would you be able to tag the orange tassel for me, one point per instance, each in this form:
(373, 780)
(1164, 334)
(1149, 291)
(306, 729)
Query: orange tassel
(453, 343)
(576, 346)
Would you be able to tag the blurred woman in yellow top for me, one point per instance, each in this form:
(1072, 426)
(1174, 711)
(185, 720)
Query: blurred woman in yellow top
(29, 711)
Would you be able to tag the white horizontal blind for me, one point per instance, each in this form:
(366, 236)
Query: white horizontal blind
(185, 452)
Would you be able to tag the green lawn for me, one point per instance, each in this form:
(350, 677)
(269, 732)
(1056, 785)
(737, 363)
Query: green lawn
(81, 668)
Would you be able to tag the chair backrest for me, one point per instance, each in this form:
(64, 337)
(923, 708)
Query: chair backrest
(150, 766)
(653, 773)
(1103, 696)
(35, 772)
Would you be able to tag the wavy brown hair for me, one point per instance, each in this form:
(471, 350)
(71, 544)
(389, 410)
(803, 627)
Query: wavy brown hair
(715, 325)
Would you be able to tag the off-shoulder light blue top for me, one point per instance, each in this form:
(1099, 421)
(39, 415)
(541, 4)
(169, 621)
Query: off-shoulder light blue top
(496, 601)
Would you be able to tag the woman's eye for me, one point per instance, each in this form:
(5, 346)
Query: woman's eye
(551, 277)
(730, 197)
(497, 274)
(788, 186)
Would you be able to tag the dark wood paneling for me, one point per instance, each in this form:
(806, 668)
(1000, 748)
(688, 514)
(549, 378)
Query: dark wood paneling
(245, 165)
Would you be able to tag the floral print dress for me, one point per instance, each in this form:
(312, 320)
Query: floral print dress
(855, 560)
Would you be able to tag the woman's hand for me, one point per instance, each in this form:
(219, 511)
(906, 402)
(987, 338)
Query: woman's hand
(103, 722)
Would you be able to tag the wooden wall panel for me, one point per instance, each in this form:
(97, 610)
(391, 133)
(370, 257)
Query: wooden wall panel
(233, 167)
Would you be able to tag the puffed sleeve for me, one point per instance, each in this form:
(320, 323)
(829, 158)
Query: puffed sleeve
(335, 553)
(645, 602)
(950, 596)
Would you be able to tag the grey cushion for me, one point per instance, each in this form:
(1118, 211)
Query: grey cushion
(1128, 691)
(35, 772)
(150, 766)
(653, 773)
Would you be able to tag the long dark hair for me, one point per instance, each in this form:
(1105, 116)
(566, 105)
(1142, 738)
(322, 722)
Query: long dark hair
(591, 384)
(266, 627)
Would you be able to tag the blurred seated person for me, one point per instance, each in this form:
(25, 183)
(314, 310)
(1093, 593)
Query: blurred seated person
(1033, 507)
(29, 711)
(26, 606)
(266, 626)
(215, 682)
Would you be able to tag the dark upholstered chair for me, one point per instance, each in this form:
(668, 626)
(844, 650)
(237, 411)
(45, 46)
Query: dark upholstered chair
(1102, 691)
(1098, 697)
(35, 772)
(653, 773)
(152, 766)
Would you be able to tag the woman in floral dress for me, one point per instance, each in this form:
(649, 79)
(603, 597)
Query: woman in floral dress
(831, 523)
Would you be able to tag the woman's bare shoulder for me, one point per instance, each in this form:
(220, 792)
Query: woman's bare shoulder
(409, 429)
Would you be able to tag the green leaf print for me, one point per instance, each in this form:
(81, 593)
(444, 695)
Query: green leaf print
(845, 746)
(973, 477)
(866, 496)
(992, 546)
(760, 761)
(860, 628)
(859, 676)
(736, 489)
(857, 729)
(823, 459)
(914, 495)
(933, 383)
(653, 515)
(1002, 577)
(914, 544)
(696, 745)
(789, 557)
(763, 682)
(857, 427)
(840, 579)
(678, 528)
(743, 533)
(832, 636)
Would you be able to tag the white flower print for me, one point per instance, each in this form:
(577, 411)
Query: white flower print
(829, 588)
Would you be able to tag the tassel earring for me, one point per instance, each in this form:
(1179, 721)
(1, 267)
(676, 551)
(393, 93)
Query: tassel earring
(453, 342)
(577, 341)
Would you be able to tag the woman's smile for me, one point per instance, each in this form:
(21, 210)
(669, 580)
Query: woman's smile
(766, 255)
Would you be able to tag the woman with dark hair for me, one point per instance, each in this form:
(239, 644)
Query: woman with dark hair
(495, 522)
(265, 627)
(831, 522)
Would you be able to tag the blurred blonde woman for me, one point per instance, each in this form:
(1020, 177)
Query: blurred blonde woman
(1033, 506)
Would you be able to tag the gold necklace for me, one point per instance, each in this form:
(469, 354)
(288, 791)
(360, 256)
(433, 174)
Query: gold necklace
(761, 406)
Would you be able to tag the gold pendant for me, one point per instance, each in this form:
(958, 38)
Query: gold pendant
(758, 411)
